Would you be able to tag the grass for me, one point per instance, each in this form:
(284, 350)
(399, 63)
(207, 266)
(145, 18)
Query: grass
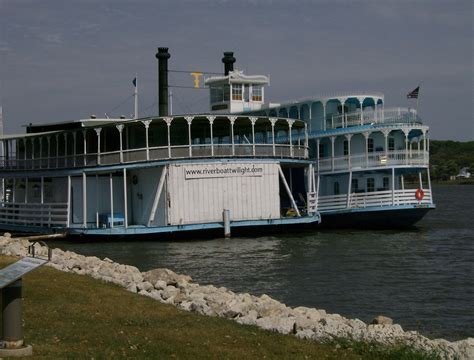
(71, 316)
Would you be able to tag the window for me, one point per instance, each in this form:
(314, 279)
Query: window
(321, 150)
(217, 94)
(226, 92)
(236, 91)
(246, 93)
(370, 184)
(391, 144)
(257, 93)
(336, 188)
(355, 185)
(370, 145)
(386, 182)
(346, 147)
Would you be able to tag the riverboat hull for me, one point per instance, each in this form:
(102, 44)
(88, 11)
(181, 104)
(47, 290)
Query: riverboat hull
(376, 217)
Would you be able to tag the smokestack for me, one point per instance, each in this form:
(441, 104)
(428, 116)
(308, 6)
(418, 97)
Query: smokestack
(163, 55)
(228, 61)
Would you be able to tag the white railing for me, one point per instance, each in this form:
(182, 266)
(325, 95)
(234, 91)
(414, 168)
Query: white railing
(371, 116)
(370, 199)
(375, 159)
(46, 214)
(158, 153)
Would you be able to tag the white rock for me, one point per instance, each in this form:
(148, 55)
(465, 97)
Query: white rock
(278, 324)
(160, 285)
(145, 286)
(305, 334)
(132, 288)
(169, 291)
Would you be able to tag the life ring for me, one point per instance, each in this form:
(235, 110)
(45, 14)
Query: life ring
(419, 194)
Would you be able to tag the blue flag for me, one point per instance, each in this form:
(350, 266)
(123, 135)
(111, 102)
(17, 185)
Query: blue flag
(134, 82)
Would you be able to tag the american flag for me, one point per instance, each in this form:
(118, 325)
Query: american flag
(413, 94)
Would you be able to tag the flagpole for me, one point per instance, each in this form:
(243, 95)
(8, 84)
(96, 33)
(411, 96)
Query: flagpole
(135, 94)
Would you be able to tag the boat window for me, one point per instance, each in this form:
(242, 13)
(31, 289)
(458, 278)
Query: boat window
(391, 144)
(336, 188)
(386, 181)
(370, 145)
(217, 94)
(246, 93)
(257, 93)
(346, 147)
(355, 185)
(321, 150)
(370, 184)
(236, 91)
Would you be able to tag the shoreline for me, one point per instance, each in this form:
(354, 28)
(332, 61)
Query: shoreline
(168, 287)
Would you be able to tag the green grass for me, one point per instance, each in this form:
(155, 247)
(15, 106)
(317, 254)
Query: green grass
(71, 316)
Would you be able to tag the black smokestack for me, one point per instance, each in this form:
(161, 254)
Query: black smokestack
(163, 55)
(228, 61)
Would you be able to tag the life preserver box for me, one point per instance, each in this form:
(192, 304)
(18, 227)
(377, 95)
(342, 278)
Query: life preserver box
(419, 194)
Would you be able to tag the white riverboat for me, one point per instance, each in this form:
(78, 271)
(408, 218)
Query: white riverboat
(371, 161)
(159, 175)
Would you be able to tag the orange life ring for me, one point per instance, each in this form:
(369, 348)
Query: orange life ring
(419, 194)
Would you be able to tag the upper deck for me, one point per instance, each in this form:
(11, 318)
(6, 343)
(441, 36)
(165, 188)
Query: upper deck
(95, 143)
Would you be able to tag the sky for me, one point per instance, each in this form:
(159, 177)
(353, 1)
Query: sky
(65, 60)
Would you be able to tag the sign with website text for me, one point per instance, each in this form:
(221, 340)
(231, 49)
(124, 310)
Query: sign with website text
(209, 171)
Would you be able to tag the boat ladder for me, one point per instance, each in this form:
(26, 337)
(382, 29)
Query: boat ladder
(312, 202)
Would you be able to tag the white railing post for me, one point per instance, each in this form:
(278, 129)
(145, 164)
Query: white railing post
(366, 135)
(147, 143)
(125, 203)
(232, 121)
(84, 200)
(306, 140)
(211, 126)
(168, 121)
(68, 221)
(120, 130)
(406, 131)
(189, 119)
(324, 115)
(348, 137)
(429, 183)
(333, 139)
(84, 144)
(111, 190)
(385, 134)
(97, 200)
(290, 125)
(97, 131)
(253, 120)
(318, 142)
(393, 186)
(273, 122)
(349, 190)
(424, 146)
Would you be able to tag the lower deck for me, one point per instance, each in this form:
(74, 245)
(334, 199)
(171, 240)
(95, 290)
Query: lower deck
(165, 198)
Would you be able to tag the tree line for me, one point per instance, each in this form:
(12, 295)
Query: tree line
(448, 157)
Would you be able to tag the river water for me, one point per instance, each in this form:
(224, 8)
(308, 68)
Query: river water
(422, 278)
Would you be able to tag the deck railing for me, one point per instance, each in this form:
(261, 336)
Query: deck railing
(371, 199)
(374, 159)
(158, 153)
(32, 214)
(378, 116)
